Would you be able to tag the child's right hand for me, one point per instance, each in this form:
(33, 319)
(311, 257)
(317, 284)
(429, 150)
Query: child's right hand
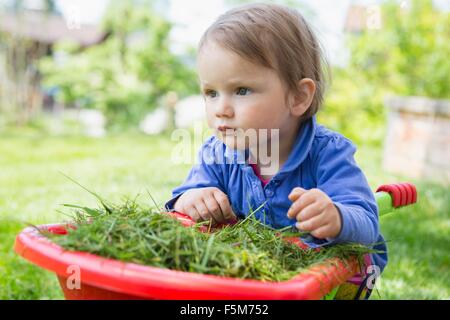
(206, 204)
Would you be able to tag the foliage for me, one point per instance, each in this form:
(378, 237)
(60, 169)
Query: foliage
(354, 107)
(407, 56)
(127, 74)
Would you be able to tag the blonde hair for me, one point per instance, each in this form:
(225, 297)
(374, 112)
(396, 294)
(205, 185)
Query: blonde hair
(276, 37)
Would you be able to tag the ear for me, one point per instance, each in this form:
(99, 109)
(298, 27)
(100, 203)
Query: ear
(302, 99)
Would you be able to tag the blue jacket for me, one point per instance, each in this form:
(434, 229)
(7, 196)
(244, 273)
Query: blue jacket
(319, 159)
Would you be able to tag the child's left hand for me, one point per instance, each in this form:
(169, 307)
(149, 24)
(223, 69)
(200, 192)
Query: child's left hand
(315, 212)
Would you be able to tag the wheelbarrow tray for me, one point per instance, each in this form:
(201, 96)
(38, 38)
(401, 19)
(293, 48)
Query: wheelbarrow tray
(103, 278)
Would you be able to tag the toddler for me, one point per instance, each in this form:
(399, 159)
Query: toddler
(261, 70)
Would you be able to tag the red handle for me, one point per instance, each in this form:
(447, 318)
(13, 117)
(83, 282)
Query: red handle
(402, 193)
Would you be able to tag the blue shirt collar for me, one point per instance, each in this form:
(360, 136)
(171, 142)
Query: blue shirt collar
(302, 146)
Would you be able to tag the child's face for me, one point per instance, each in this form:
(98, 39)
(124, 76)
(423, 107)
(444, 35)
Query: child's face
(241, 95)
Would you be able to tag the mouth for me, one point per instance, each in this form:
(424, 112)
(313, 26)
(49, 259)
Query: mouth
(226, 130)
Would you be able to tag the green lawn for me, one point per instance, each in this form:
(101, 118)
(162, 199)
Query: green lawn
(32, 189)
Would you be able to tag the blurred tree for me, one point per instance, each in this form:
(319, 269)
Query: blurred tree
(20, 96)
(127, 75)
(408, 55)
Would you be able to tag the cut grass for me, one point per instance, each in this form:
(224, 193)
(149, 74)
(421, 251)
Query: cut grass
(246, 250)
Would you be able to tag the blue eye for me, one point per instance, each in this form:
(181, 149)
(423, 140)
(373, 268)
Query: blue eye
(211, 93)
(243, 91)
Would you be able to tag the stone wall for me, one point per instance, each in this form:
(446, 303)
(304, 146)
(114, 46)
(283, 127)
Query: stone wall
(417, 143)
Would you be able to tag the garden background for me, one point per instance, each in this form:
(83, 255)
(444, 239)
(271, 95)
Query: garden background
(128, 66)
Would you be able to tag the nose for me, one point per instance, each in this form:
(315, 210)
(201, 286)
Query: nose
(224, 108)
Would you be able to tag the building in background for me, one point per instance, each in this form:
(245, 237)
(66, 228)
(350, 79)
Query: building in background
(28, 31)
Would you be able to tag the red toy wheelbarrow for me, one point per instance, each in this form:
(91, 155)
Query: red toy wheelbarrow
(102, 278)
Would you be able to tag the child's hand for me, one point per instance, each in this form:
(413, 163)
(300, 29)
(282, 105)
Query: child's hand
(315, 212)
(205, 204)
